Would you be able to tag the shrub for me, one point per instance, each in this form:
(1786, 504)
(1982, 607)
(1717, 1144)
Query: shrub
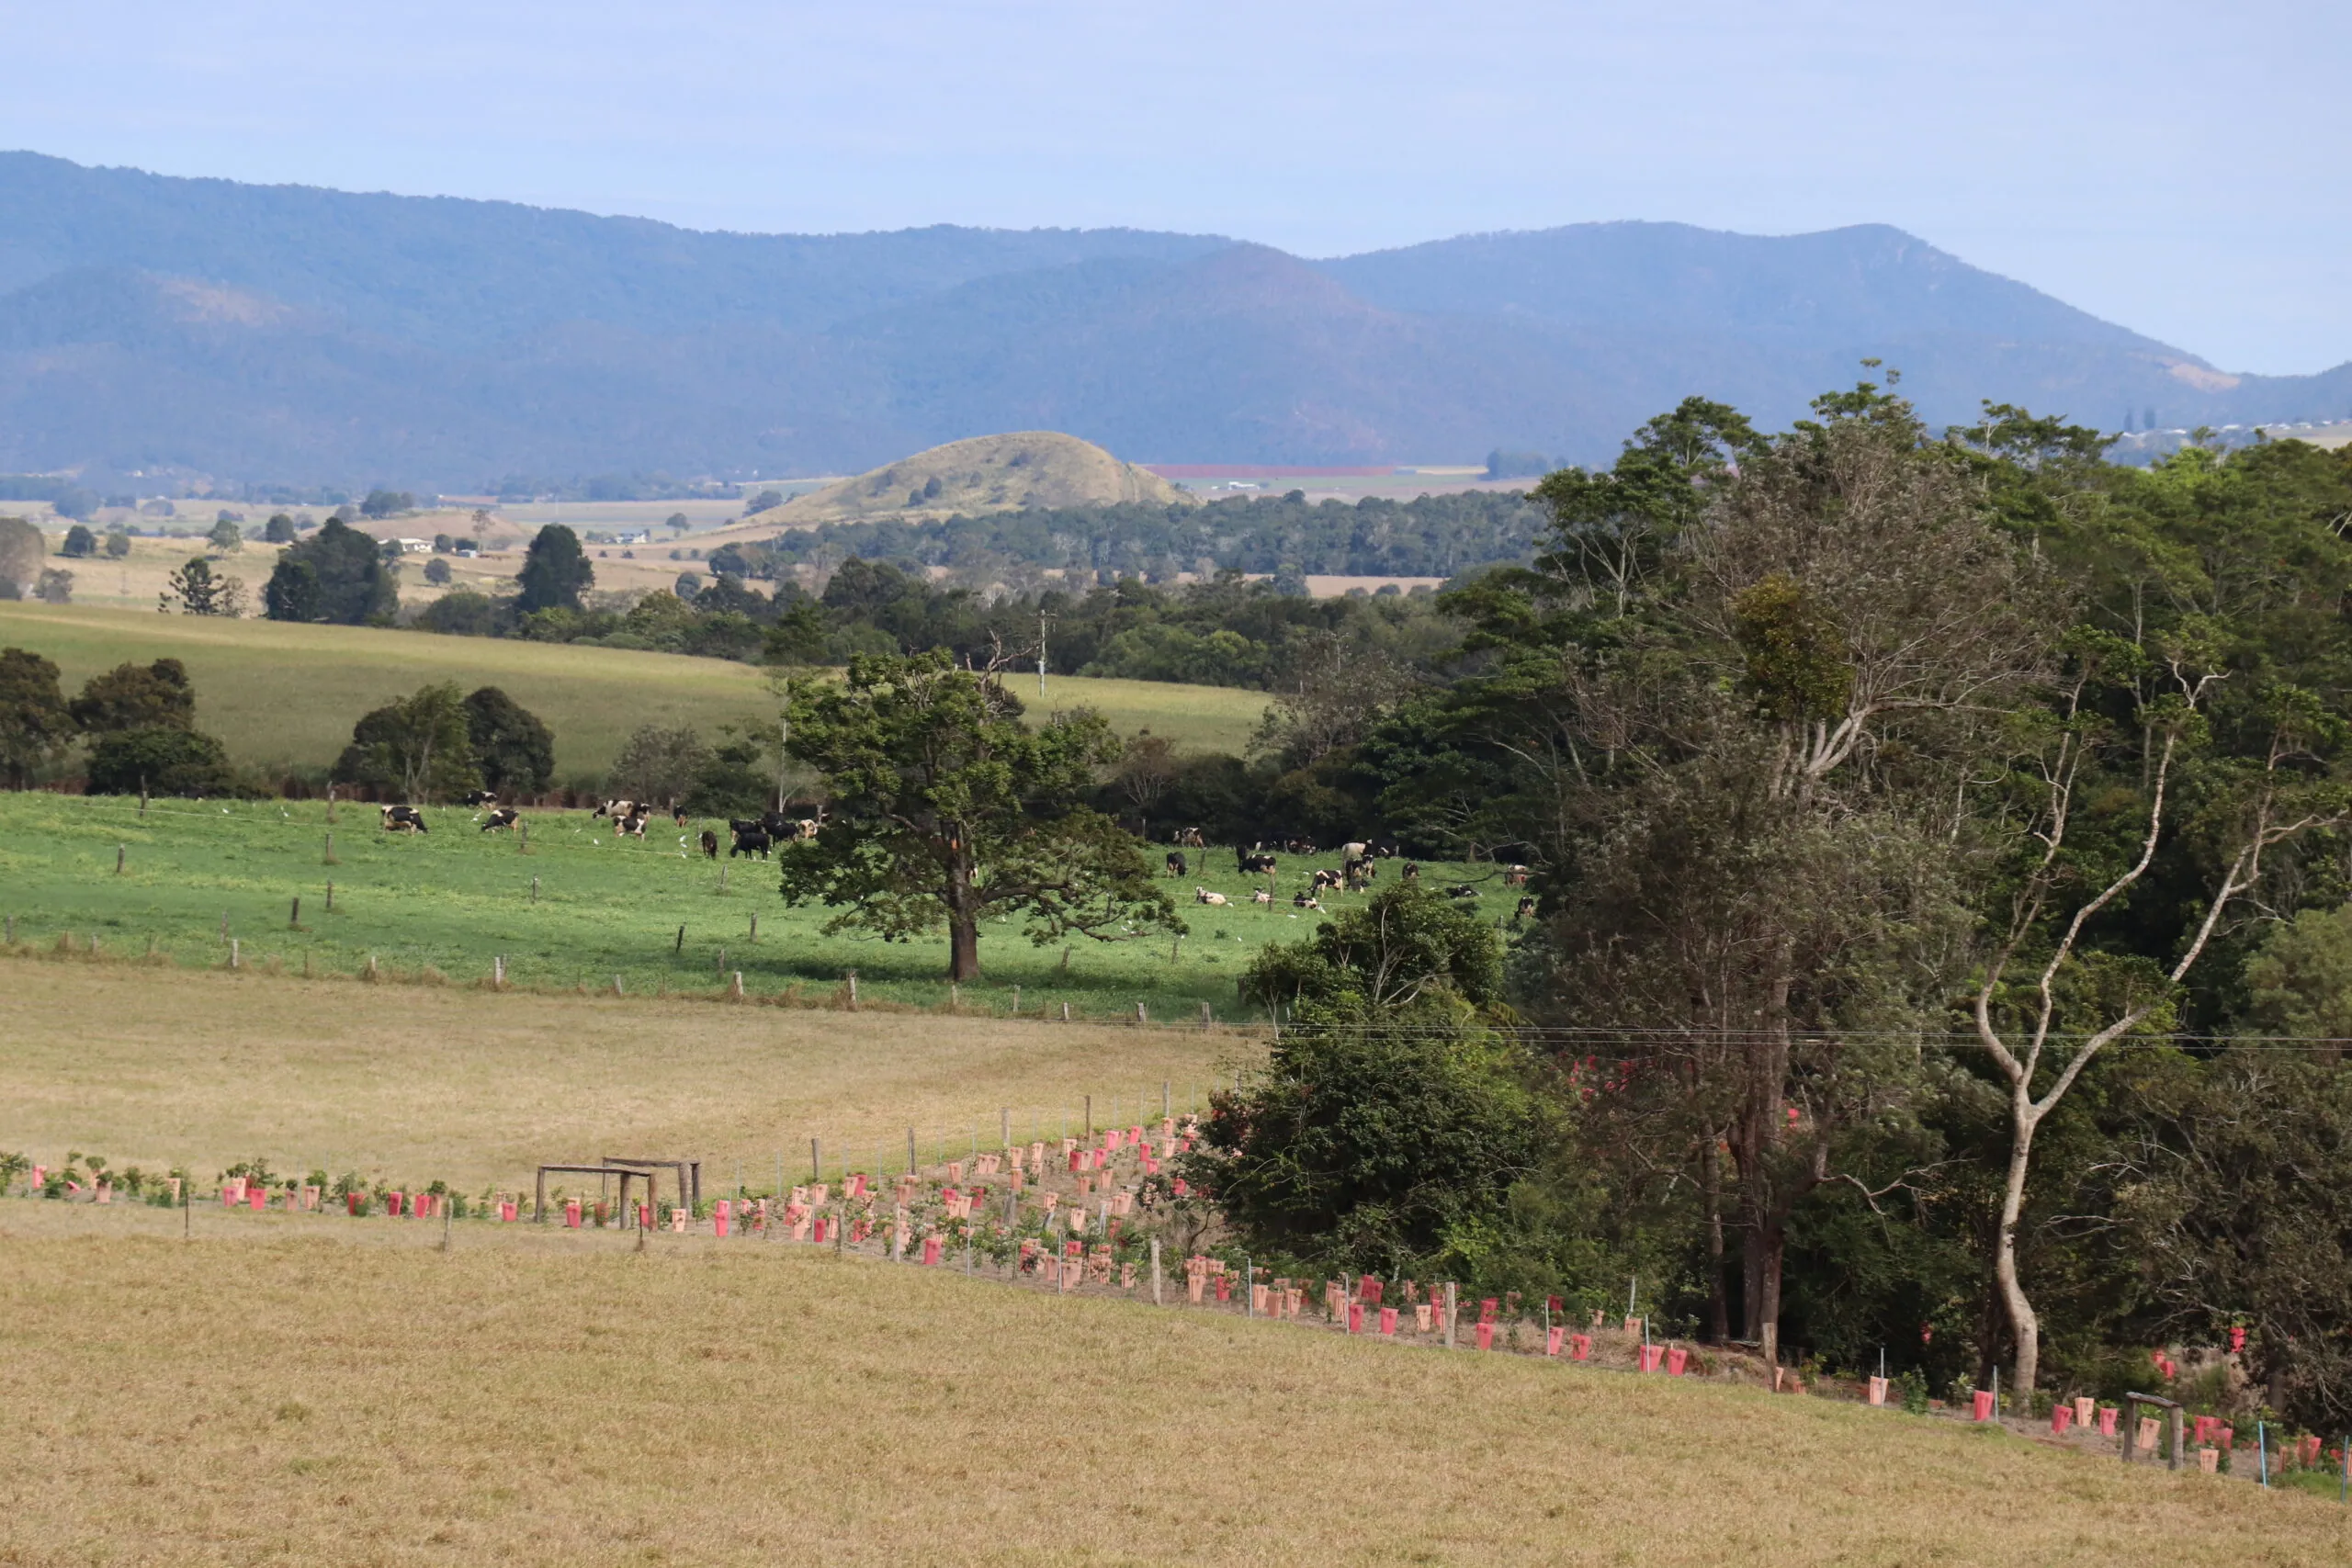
(161, 760)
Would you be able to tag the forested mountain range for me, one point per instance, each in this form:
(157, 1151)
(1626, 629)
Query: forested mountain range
(294, 335)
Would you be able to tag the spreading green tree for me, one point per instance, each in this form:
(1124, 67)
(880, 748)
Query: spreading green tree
(79, 542)
(946, 810)
(555, 571)
(337, 575)
(137, 696)
(35, 725)
(118, 544)
(23, 554)
(513, 750)
(419, 748)
(1391, 1123)
(225, 536)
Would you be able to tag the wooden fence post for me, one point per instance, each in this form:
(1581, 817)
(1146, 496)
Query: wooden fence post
(1155, 1272)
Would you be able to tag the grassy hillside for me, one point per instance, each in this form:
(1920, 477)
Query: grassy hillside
(412, 1084)
(280, 693)
(987, 473)
(312, 1390)
(454, 898)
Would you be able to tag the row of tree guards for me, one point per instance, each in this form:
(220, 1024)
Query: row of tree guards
(816, 1214)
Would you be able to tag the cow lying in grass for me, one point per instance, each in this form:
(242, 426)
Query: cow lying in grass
(505, 817)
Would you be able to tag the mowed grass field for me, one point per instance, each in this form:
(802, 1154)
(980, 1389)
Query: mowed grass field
(279, 693)
(409, 1084)
(306, 1392)
(579, 908)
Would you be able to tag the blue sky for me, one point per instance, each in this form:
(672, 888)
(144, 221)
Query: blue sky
(2186, 170)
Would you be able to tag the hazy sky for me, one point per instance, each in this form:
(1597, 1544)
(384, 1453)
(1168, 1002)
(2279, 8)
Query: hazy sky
(2186, 170)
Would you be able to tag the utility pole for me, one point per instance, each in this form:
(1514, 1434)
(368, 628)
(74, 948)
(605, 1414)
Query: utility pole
(1041, 653)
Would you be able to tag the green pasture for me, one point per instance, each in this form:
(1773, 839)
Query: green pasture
(454, 897)
(281, 694)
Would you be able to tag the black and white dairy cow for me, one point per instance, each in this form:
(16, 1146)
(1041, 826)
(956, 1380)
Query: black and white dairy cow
(505, 817)
(628, 816)
(481, 798)
(402, 819)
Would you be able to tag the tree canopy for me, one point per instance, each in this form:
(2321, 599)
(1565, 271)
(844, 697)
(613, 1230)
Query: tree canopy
(555, 573)
(337, 575)
(946, 810)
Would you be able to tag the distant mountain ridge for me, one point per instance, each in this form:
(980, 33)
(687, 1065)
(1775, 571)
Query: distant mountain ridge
(304, 336)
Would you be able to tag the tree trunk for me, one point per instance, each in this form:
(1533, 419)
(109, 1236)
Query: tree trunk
(963, 919)
(2024, 1327)
(1772, 1243)
(1710, 1181)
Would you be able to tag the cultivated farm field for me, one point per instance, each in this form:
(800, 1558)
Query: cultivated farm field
(303, 1390)
(581, 908)
(281, 693)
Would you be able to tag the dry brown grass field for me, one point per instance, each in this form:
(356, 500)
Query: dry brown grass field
(159, 1067)
(288, 1390)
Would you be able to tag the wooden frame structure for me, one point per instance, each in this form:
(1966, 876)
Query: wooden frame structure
(627, 1174)
(2132, 1402)
(687, 1171)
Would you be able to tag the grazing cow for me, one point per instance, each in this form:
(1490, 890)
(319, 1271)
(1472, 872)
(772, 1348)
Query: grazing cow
(1177, 865)
(505, 817)
(1202, 894)
(678, 815)
(618, 809)
(750, 839)
(1253, 863)
(1514, 876)
(635, 821)
(1191, 839)
(710, 844)
(1263, 895)
(1526, 911)
(481, 798)
(402, 819)
(1412, 871)
(1461, 890)
(1323, 879)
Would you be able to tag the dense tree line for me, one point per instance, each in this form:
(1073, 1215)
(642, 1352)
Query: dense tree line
(1932, 835)
(138, 722)
(1289, 535)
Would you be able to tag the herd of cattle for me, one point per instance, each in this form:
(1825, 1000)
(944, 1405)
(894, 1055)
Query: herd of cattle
(753, 836)
(1359, 867)
(1359, 864)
